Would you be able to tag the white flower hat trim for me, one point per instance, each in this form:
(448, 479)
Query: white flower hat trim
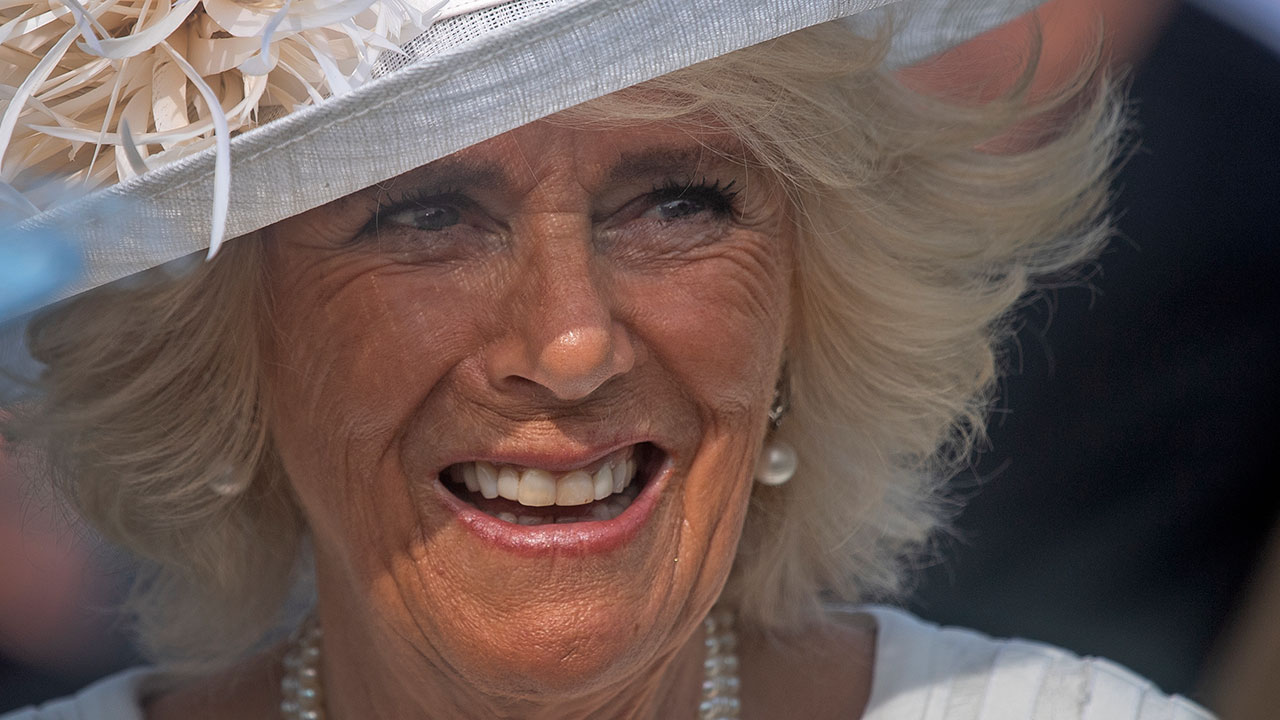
(100, 92)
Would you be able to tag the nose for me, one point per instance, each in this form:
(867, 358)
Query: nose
(563, 333)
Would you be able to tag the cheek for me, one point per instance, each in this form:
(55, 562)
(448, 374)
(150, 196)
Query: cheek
(357, 349)
(719, 325)
(342, 352)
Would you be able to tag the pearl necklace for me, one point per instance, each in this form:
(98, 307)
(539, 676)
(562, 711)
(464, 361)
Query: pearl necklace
(303, 690)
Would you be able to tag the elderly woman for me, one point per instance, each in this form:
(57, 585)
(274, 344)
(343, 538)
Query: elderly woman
(602, 416)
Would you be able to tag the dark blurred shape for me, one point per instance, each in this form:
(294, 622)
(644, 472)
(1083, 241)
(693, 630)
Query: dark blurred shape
(59, 589)
(1132, 481)
(1241, 684)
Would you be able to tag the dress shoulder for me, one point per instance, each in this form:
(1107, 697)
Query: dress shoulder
(115, 697)
(926, 672)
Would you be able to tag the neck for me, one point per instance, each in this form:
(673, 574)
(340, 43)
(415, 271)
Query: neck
(370, 672)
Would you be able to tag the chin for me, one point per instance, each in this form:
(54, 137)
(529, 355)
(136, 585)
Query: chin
(529, 598)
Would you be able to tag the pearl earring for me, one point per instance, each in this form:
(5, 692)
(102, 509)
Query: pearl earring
(778, 460)
(230, 483)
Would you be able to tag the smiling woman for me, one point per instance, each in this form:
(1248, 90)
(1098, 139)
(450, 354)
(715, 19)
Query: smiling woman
(498, 416)
(558, 318)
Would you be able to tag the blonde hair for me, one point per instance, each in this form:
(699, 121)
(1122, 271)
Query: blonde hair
(914, 245)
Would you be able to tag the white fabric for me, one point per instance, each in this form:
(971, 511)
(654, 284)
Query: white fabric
(924, 672)
(568, 52)
(920, 672)
(113, 698)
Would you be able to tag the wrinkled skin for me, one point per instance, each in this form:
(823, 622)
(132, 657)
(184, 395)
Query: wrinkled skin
(535, 295)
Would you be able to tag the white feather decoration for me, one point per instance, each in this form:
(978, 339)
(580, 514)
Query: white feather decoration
(93, 92)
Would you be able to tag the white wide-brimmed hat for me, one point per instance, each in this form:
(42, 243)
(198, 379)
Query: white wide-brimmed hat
(180, 122)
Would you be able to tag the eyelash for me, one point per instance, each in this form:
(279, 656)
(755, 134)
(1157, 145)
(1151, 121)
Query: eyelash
(423, 197)
(721, 197)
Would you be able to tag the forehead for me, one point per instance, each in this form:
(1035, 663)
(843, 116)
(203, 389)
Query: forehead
(591, 155)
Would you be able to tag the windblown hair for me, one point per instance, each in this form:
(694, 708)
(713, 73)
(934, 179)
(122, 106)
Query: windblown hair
(914, 244)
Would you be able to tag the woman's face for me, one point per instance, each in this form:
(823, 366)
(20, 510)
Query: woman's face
(553, 313)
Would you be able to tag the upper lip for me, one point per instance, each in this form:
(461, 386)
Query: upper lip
(553, 458)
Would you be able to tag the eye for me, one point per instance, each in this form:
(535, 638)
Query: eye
(431, 227)
(677, 208)
(680, 216)
(424, 216)
(677, 201)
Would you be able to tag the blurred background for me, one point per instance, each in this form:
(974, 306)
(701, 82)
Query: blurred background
(1128, 504)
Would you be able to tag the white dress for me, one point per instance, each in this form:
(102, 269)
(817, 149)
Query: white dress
(925, 672)
(921, 672)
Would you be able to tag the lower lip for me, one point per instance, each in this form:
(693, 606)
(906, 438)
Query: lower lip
(597, 536)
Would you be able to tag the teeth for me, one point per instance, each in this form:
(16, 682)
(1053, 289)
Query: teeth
(469, 477)
(614, 506)
(576, 488)
(537, 488)
(602, 511)
(621, 475)
(508, 483)
(487, 476)
(534, 487)
(602, 485)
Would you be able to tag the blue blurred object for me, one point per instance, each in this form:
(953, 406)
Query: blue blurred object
(1259, 19)
(33, 267)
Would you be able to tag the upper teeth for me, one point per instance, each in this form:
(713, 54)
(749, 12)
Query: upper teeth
(536, 487)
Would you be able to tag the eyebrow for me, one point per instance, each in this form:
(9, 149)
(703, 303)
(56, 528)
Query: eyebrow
(634, 166)
(464, 173)
(452, 173)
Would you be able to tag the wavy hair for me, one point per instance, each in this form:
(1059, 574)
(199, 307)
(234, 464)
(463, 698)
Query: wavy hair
(914, 244)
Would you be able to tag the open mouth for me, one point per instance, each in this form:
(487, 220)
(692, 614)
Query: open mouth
(533, 496)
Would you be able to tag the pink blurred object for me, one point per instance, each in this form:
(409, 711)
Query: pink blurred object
(1069, 31)
(57, 584)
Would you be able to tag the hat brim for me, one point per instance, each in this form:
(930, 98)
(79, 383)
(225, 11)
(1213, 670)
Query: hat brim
(570, 52)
